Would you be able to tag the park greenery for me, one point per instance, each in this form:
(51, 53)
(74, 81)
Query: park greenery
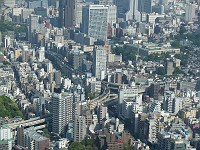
(91, 96)
(9, 108)
(86, 144)
(127, 52)
(6, 26)
(177, 71)
(194, 37)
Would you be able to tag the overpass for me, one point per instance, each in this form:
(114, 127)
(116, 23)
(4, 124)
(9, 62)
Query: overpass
(39, 122)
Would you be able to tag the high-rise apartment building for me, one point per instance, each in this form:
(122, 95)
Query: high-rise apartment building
(102, 113)
(79, 128)
(61, 110)
(20, 135)
(70, 13)
(172, 104)
(5, 133)
(94, 21)
(164, 141)
(99, 61)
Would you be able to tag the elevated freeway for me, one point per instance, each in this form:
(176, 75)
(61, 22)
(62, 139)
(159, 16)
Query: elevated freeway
(39, 122)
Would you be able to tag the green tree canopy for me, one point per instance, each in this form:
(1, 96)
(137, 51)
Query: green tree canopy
(9, 108)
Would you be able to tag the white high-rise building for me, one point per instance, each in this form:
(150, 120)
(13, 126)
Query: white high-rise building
(99, 61)
(190, 12)
(7, 41)
(112, 14)
(41, 54)
(79, 12)
(49, 67)
(61, 110)
(5, 133)
(172, 104)
(129, 13)
(94, 21)
(79, 128)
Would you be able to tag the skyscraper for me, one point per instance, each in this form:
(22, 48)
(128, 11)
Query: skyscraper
(145, 6)
(70, 13)
(94, 21)
(33, 26)
(61, 13)
(61, 110)
(99, 61)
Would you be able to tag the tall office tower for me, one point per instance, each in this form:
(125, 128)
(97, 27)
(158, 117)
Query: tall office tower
(33, 25)
(122, 7)
(99, 61)
(127, 9)
(129, 13)
(57, 77)
(79, 128)
(190, 12)
(145, 6)
(112, 14)
(112, 18)
(94, 21)
(61, 13)
(79, 13)
(61, 110)
(70, 13)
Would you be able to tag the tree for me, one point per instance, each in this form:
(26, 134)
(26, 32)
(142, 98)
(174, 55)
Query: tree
(127, 147)
(160, 70)
(182, 30)
(177, 71)
(91, 95)
(9, 108)
(76, 146)
(46, 133)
